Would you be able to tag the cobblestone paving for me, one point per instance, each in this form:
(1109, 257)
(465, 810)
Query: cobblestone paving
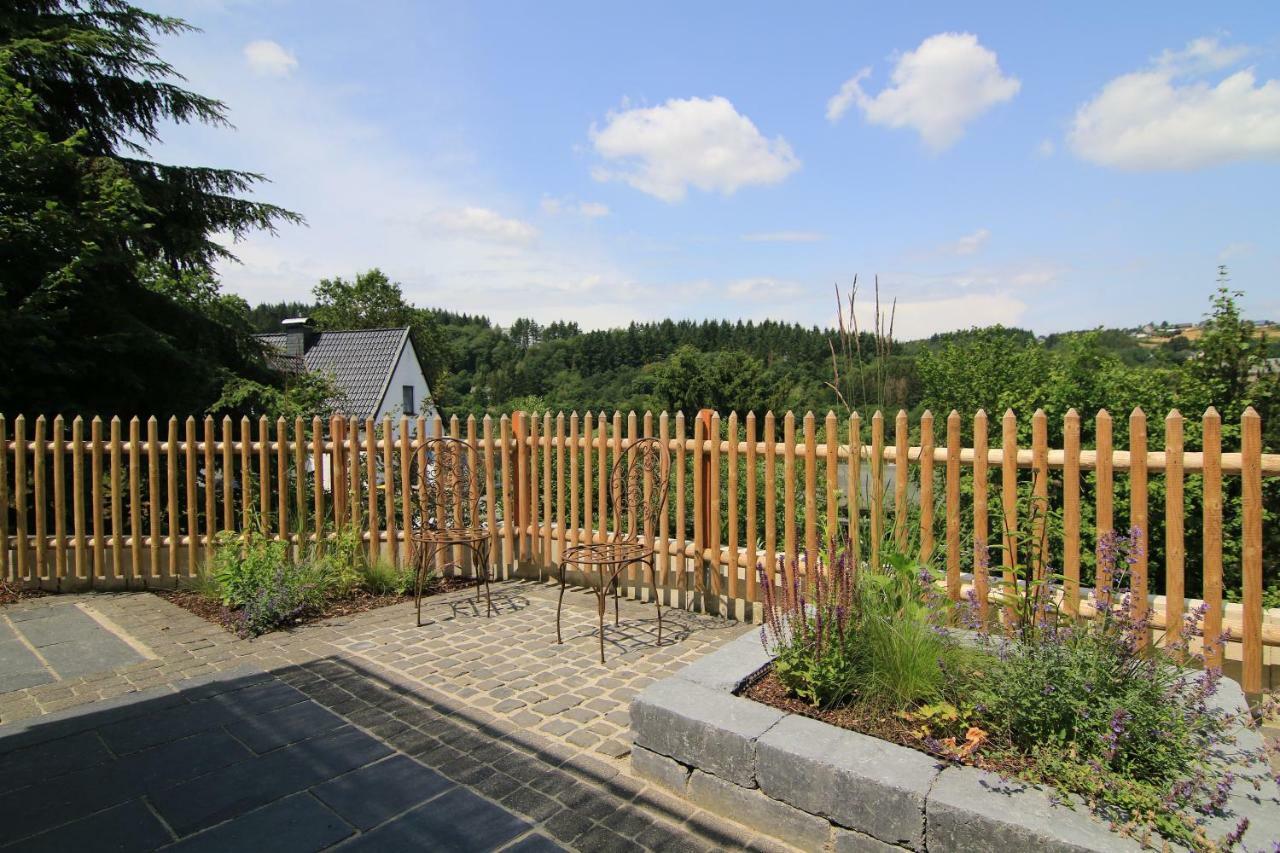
(494, 704)
(524, 676)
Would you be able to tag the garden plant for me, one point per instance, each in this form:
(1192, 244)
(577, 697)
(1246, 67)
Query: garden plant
(1113, 715)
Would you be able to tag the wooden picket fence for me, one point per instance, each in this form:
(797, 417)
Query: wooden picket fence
(137, 504)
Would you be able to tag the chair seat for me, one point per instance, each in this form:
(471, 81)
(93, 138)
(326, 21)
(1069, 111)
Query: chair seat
(451, 536)
(607, 553)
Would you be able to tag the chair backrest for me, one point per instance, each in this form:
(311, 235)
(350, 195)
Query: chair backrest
(447, 485)
(638, 487)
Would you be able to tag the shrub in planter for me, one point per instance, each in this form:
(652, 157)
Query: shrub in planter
(255, 578)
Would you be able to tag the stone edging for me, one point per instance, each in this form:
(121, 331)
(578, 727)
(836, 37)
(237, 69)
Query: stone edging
(820, 787)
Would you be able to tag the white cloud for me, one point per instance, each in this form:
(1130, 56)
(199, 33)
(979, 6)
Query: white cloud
(784, 237)
(936, 89)
(269, 58)
(703, 143)
(1232, 250)
(759, 289)
(1158, 118)
(970, 243)
(480, 223)
(553, 206)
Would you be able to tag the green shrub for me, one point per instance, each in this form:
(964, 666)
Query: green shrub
(383, 578)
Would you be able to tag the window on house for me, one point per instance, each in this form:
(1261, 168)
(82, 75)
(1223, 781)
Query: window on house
(408, 407)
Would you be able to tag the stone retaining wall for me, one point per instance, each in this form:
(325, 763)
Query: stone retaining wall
(820, 787)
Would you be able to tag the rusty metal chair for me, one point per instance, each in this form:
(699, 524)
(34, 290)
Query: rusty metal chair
(637, 498)
(447, 481)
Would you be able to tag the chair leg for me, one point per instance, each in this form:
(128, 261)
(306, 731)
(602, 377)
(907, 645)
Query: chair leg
(560, 604)
(615, 600)
(657, 602)
(483, 568)
(423, 559)
(600, 614)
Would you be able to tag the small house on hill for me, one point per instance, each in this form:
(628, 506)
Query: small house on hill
(376, 370)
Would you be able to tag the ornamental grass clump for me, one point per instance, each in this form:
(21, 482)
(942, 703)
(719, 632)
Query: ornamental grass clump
(843, 633)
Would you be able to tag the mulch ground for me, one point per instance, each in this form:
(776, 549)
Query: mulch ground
(767, 689)
(359, 602)
(11, 593)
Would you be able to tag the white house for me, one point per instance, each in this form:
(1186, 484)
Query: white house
(376, 370)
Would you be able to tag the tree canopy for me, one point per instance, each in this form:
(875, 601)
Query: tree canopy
(107, 300)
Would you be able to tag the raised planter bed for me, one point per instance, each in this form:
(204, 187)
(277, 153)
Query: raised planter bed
(819, 787)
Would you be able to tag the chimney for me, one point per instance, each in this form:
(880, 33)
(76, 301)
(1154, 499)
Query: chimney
(299, 334)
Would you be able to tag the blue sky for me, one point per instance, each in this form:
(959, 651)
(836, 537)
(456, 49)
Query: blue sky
(1051, 167)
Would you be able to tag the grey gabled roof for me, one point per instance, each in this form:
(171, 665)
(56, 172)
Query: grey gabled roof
(360, 361)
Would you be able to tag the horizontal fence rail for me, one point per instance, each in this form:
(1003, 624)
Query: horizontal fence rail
(141, 503)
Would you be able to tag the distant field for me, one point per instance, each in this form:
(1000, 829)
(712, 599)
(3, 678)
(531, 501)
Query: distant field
(1272, 332)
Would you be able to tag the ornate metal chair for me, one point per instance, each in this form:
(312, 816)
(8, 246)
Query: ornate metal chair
(446, 482)
(637, 497)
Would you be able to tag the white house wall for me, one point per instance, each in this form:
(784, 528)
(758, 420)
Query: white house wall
(407, 372)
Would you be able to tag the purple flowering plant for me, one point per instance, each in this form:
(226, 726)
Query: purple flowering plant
(1097, 708)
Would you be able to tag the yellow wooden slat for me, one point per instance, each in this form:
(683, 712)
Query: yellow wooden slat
(1103, 523)
(1040, 492)
(926, 487)
(1009, 494)
(371, 478)
(751, 554)
(21, 530)
(901, 476)
(877, 486)
(135, 499)
(731, 463)
(59, 498)
(790, 563)
(770, 499)
(1211, 521)
(853, 489)
(1174, 542)
(173, 510)
(1251, 555)
(1071, 512)
(117, 502)
(193, 507)
(210, 489)
(228, 475)
(981, 516)
(155, 506)
(953, 505)
(77, 491)
(810, 494)
(1138, 511)
(39, 495)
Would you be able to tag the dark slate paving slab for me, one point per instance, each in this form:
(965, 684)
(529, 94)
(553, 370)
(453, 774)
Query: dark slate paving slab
(101, 652)
(19, 668)
(296, 824)
(37, 807)
(61, 624)
(243, 787)
(127, 827)
(456, 821)
(38, 762)
(370, 795)
(72, 643)
(284, 726)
